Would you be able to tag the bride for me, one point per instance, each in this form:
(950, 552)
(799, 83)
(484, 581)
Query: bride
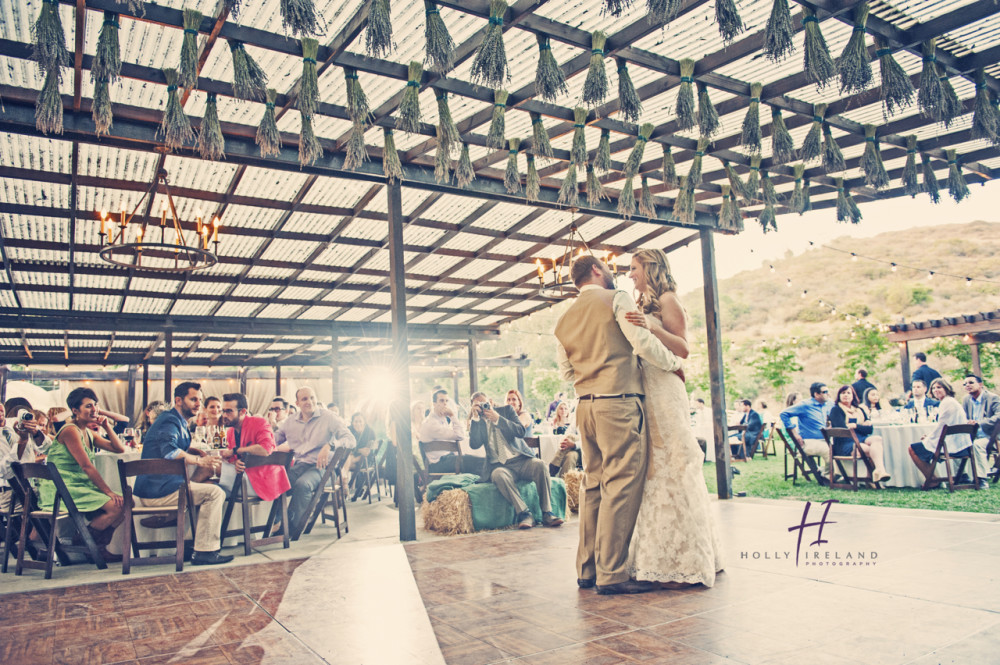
(675, 541)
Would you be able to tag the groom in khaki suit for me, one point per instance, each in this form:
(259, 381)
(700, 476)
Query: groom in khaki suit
(599, 350)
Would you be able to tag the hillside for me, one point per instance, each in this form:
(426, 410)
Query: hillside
(757, 306)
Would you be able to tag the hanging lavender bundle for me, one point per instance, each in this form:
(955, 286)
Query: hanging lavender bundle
(626, 199)
(187, 76)
(817, 63)
(309, 86)
(391, 166)
(569, 195)
(734, 180)
(489, 67)
(767, 192)
(378, 33)
(232, 7)
(634, 160)
(952, 106)
(602, 160)
(299, 17)
(854, 67)
(595, 190)
(812, 146)
(107, 62)
(249, 79)
(768, 220)
(930, 184)
(750, 138)
(448, 132)
(211, 143)
(930, 98)
(957, 186)
(48, 47)
(725, 207)
(533, 187)
(595, 87)
(685, 96)
(540, 143)
(728, 18)
(778, 32)
(409, 106)
(782, 145)
(910, 184)
(442, 160)
(495, 135)
(833, 158)
(268, 137)
(175, 127)
(101, 111)
(684, 204)
(735, 220)
(753, 180)
(847, 210)
(578, 150)
(694, 175)
(310, 148)
(440, 56)
(357, 101)
(661, 12)
(355, 152)
(798, 202)
(708, 117)
(985, 123)
(629, 103)
(615, 7)
(871, 161)
(855, 211)
(512, 177)
(669, 168)
(464, 173)
(807, 203)
(647, 206)
(550, 82)
(896, 90)
(49, 107)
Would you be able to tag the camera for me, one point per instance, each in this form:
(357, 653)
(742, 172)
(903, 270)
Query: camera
(25, 416)
(486, 406)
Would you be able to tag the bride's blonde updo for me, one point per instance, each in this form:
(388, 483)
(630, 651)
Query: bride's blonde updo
(658, 278)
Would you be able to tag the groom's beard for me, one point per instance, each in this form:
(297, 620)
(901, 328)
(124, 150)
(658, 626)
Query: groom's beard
(609, 282)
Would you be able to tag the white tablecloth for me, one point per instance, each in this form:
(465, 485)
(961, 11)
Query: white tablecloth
(896, 442)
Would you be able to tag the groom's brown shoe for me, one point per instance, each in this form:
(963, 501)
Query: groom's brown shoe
(631, 586)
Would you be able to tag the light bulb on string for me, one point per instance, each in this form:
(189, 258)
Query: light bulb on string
(772, 268)
(930, 275)
(803, 294)
(788, 283)
(893, 268)
(968, 282)
(854, 257)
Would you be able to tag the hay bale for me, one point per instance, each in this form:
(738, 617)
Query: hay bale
(573, 480)
(449, 514)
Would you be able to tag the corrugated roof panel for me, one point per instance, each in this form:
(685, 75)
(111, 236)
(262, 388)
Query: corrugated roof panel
(95, 303)
(104, 281)
(343, 295)
(270, 184)
(300, 222)
(366, 229)
(230, 308)
(290, 251)
(27, 192)
(318, 313)
(199, 174)
(193, 307)
(146, 305)
(341, 255)
(357, 313)
(300, 293)
(253, 291)
(35, 152)
(265, 271)
(38, 278)
(50, 229)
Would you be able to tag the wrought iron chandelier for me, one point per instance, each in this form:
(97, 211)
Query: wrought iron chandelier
(555, 283)
(142, 250)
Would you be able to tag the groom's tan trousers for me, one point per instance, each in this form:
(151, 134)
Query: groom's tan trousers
(612, 439)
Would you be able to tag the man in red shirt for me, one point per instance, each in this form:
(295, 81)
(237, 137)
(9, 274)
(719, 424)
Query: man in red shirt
(252, 435)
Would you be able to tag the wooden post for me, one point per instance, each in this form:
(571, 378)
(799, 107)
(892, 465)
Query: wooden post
(904, 364)
(400, 404)
(715, 367)
(277, 380)
(130, 395)
(241, 374)
(335, 372)
(145, 386)
(977, 368)
(520, 382)
(454, 384)
(3, 383)
(473, 368)
(168, 359)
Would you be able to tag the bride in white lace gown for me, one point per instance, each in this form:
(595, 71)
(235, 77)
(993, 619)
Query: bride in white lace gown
(676, 540)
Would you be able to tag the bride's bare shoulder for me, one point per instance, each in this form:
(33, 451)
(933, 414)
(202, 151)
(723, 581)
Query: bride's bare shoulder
(672, 313)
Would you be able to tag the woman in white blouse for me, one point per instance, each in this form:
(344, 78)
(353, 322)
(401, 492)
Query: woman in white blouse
(950, 412)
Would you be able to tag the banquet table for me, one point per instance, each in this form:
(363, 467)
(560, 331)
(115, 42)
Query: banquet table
(896, 440)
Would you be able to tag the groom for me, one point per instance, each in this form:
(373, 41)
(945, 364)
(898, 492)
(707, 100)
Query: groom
(598, 349)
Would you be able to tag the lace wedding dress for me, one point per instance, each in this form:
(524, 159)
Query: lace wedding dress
(675, 538)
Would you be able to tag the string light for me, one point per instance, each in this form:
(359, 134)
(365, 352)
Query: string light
(854, 257)
(772, 268)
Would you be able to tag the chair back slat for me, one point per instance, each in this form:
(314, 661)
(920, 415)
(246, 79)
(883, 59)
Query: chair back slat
(440, 446)
(274, 459)
(535, 444)
(340, 456)
(152, 467)
(36, 470)
(951, 430)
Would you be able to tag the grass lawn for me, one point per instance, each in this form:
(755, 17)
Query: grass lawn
(763, 479)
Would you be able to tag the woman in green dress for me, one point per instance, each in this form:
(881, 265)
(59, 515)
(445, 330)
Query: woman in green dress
(72, 453)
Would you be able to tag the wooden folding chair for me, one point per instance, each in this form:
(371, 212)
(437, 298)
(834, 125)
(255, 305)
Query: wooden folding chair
(46, 521)
(743, 455)
(369, 472)
(331, 490)
(535, 444)
(964, 456)
(993, 452)
(185, 505)
(441, 446)
(851, 480)
(767, 440)
(241, 495)
(801, 462)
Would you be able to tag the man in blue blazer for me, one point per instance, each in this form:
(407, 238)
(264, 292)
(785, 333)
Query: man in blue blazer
(509, 459)
(754, 425)
(920, 403)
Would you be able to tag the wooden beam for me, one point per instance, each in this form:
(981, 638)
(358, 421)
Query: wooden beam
(904, 365)
(723, 474)
(130, 395)
(154, 346)
(473, 367)
(963, 328)
(168, 367)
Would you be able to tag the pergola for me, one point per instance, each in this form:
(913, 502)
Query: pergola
(321, 264)
(975, 329)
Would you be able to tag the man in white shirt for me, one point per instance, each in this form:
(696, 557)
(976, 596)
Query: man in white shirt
(921, 404)
(981, 408)
(442, 424)
(20, 441)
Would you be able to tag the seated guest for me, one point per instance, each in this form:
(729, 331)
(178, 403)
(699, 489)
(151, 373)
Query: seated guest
(861, 385)
(57, 415)
(559, 397)
(277, 413)
(72, 454)
(847, 414)
(871, 404)
(209, 416)
(364, 437)
(509, 459)
(561, 419)
(516, 402)
(251, 435)
(922, 405)
(766, 417)
(149, 414)
(442, 424)
(981, 408)
(750, 419)
(949, 413)
(805, 421)
(18, 443)
(311, 436)
(170, 438)
(568, 458)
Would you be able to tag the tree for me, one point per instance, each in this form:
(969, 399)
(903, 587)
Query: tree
(989, 358)
(774, 365)
(867, 347)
